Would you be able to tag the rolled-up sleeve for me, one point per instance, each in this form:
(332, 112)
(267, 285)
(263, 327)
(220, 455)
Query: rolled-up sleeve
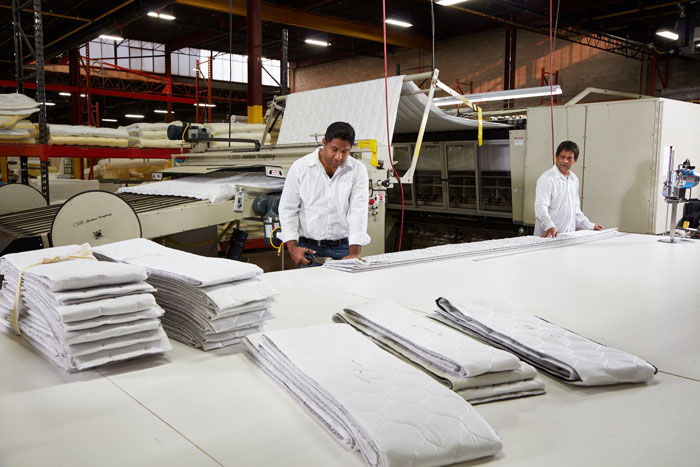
(290, 203)
(543, 198)
(357, 216)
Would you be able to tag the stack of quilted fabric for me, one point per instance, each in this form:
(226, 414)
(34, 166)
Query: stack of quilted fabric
(487, 247)
(478, 372)
(82, 135)
(79, 312)
(209, 302)
(371, 401)
(236, 130)
(557, 351)
(14, 109)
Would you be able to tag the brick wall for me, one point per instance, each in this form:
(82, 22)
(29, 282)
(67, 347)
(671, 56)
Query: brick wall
(480, 58)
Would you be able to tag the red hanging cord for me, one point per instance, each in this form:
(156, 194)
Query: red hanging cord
(388, 135)
(551, 74)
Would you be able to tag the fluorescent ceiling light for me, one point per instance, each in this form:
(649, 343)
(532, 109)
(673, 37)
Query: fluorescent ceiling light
(449, 2)
(205, 105)
(109, 119)
(111, 38)
(500, 95)
(397, 22)
(64, 94)
(83, 95)
(49, 103)
(315, 42)
(158, 111)
(667, 34)
(154, 14)
(133, 116)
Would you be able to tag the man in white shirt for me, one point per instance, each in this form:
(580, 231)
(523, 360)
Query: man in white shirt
(323, 208)
(557, 205)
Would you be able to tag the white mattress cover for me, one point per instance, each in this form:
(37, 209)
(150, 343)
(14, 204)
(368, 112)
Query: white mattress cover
(369, 400)
(14, 101)
(447, 349)
(560, 352)
(170, 264)
(213, 187)
(505, 391)
(83, 130)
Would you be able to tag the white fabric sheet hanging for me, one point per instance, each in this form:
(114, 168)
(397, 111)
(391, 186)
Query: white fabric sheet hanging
(412, 106)
(557, 351)
(370, 401)
(486, 247)
(214, 187)
(362, 105)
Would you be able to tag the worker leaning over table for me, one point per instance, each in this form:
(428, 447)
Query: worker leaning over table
(323, 209)
(557, 205)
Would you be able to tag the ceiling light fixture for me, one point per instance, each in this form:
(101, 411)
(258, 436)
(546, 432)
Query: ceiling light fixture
(500, 95)
(133, 116)
(449, 2)
(49, 103)
(399, 23)
(109, 119)
(158, 111)
(111, 38)
(667, 34)
(317, 42)
(64, 94)
(201, 104)
(154, 14)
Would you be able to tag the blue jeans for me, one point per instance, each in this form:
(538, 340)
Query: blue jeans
(335, 252)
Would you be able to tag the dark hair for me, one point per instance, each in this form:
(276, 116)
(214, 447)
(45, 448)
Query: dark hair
(568, 146)
(340, 130)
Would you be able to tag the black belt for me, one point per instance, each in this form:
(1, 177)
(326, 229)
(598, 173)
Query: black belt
(326, 243)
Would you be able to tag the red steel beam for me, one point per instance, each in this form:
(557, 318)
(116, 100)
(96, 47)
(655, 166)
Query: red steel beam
(44, 151)
(104, 92)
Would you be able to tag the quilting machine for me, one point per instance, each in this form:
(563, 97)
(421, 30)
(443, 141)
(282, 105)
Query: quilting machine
(677, 182)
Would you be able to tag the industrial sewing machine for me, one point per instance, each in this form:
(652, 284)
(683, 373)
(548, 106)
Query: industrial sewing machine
(677, 183)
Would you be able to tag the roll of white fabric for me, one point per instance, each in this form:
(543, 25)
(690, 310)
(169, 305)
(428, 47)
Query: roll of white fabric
(555, 350)
(370, 401)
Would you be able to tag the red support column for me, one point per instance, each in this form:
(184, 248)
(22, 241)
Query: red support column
(254, 61)
(169, 77)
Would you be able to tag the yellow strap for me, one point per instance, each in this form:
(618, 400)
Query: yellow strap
(481, 126)
(83, 252)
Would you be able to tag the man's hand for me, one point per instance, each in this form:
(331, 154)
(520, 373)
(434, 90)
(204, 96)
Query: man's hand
(552, 232)
(597, 227)
(353, 252)
(352, 256)
(297, 253)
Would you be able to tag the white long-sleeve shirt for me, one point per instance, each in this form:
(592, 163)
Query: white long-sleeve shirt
(316, 206)
(557, 203)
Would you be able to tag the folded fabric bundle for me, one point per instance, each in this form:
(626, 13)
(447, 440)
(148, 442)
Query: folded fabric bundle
(152, 135)
(77, 311)
(214, 187)
(371, 401)
(486, 247)
(15, 104)
(223, 130)
(209, 302)
(478, 372)
(561, 353)
(83, 135)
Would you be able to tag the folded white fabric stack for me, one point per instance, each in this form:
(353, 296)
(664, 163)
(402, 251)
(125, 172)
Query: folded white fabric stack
(557, 351)
(82, 135)
(14, 108)
(478, 372)
(215, 187)
(371, 401)
(209, 302)
(152, 135)
(236, 130)
(79, 312)
(487, 247)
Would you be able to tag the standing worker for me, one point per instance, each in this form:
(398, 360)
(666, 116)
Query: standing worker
(557, 205)
(323, 209)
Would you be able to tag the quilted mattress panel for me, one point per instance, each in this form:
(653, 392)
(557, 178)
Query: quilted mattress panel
(558, 351)
(372, 402)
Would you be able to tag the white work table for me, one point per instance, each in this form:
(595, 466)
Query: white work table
(193, 408)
